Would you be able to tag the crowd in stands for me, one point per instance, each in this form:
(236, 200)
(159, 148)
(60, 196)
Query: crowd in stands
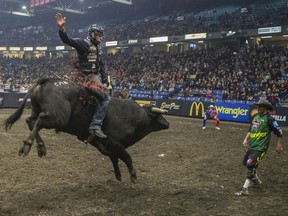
(233, 18)
(247, 75)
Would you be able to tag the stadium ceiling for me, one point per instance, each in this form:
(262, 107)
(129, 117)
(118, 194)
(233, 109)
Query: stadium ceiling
(29, 8)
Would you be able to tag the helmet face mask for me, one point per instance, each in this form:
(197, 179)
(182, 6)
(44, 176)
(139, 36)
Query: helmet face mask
(94, 31)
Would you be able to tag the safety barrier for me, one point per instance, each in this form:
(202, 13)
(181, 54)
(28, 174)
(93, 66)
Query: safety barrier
(193, 109)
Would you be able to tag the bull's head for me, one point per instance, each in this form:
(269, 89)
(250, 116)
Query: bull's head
(158, 122)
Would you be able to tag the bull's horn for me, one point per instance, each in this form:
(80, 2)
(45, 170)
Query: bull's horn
(159, 110)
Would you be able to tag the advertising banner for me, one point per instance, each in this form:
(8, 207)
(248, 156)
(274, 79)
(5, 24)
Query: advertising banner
(197, 109)
(146, 102)
(279, 113)
(269, 30)
(174, 107)
(158, 39)
(195, 36)
(233, 112)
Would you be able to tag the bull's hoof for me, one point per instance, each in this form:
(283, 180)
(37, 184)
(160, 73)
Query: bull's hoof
(133, 179)
(25, 149)
(41, 150)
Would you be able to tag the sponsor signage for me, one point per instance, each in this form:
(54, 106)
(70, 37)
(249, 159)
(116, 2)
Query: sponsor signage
(41, 48)
(28, 48)
(111, 43)
(280, 114)
(195, 36)
(14, 48)
(233, 112)
(37, 3)
(197, 110)
(21, 99)
(3, 48)
(144, 102)
(132, 41)
(269, 30)
(158, 39)
(172, 106)
(60, 47)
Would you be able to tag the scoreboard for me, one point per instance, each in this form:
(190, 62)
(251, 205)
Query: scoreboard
(37, 3)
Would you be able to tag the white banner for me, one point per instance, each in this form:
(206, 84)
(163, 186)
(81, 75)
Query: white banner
(41, 48)
(60, 47)
(195, 36)
(269, 30)
(14, 48)
(159, 39)
(111, 43)
(28, 48)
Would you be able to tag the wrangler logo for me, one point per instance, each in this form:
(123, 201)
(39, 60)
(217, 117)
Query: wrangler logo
(258, 135)
(232, 111)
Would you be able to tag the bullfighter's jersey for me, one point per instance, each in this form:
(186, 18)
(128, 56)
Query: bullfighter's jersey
(214, 113)
(260, 131)
(210, 114)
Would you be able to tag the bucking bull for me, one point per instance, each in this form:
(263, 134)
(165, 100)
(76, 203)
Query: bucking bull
(56, 105)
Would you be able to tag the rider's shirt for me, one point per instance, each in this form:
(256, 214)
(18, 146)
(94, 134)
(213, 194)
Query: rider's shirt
(89, 55)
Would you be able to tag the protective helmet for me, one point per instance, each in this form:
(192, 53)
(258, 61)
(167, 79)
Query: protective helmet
(94, 29)
(211, 106)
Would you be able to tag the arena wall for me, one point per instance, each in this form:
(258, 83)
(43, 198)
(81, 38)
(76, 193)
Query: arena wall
(227, 111)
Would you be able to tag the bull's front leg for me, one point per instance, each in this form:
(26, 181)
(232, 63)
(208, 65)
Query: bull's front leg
(126, 158)
(117, 171)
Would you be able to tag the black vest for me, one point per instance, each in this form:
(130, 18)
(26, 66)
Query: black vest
(89, 62)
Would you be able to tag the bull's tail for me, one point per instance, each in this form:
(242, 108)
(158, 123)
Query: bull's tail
(17, 114)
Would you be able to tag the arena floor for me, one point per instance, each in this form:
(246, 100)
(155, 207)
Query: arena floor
(181, 171)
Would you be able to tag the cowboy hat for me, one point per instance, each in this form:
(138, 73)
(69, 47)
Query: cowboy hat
(264, 103)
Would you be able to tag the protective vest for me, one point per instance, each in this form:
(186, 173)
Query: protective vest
(89, 62)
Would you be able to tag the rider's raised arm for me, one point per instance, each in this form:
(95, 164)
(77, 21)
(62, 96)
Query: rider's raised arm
(76, 43)
(69, 41)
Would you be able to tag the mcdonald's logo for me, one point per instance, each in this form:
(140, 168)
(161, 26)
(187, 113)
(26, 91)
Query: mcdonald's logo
(197, 108)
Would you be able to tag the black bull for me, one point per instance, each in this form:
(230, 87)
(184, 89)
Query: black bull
(56, 105)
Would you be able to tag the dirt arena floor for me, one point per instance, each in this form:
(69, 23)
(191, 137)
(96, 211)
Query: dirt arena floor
(181, 171)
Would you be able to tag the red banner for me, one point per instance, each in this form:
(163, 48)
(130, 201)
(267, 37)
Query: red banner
(37, 3)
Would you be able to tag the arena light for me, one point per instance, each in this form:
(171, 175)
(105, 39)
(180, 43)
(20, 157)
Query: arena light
(266, 37)
(129, 2)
